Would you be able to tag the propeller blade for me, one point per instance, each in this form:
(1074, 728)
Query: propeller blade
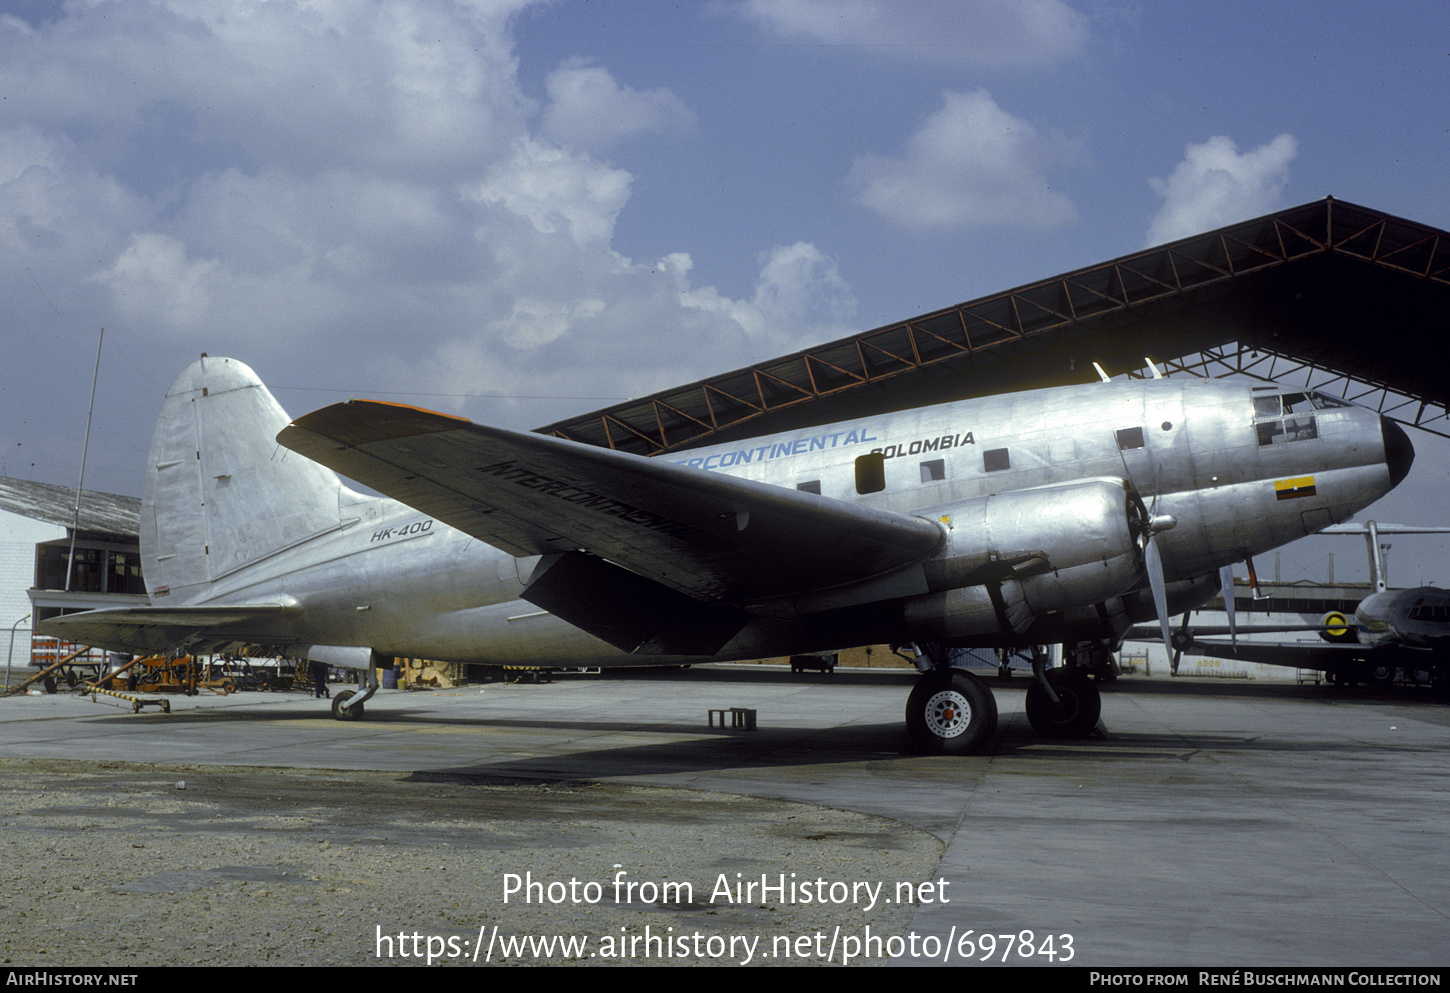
(1183, 641)
(1153, 565)
(1226, 587)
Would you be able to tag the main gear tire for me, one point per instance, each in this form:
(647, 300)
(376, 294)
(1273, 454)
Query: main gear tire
(1078, 707)
(1382, 675)
(951, 713)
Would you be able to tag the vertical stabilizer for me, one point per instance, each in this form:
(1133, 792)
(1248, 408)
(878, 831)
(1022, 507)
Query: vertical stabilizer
(220, 493)
(1376, 556)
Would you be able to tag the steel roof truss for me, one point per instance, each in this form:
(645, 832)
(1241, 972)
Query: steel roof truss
(967, 339)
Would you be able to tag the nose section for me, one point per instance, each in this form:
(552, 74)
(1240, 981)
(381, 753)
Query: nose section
(1399, 453)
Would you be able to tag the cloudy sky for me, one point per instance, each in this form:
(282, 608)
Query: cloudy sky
(517, 210)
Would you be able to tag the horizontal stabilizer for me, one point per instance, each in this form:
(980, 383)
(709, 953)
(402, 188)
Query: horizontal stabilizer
(708, 535)
(159, 630)
(1308, 654)
(1144, 632)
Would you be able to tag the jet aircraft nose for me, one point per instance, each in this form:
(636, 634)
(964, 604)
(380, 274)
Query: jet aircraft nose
(1399, 453)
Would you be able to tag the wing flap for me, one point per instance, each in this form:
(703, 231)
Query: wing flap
(707, 535)
(632, 613)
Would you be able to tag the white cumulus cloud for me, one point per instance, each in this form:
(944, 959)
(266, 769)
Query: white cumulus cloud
(359, 195)
(1215, 185)
(154, 280)
(557, 191)
(978, 33)
(971, 163)
(801, 291)
(589, 110)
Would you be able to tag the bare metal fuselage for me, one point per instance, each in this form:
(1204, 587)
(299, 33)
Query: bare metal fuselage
(1413, 618)
(1237, 478)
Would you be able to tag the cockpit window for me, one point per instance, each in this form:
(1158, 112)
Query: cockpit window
(1268, 406)
(1282, 431)
(1278, 404)
(1274, 428)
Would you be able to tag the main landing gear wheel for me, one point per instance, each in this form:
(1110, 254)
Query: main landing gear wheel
(1076, 713)
(951, 713)
(342, 711)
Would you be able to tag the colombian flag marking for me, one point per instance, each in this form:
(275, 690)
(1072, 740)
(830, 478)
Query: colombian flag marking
(1288, 489)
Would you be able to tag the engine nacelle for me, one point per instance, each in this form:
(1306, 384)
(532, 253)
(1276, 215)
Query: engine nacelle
(1335, 627)
(1011, 557)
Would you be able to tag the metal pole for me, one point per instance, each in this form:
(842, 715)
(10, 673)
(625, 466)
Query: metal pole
(70, 564)
(11, 656)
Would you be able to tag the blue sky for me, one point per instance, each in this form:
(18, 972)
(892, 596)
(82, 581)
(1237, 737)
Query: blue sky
(519, 210)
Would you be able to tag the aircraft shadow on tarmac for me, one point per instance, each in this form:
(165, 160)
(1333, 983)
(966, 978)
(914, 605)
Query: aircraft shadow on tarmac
(691, 747)
(735, 760)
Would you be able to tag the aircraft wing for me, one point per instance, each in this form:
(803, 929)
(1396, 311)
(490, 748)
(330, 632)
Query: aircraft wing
(158, 630)
(1147, 632)
(707, 536)
(1299, 654)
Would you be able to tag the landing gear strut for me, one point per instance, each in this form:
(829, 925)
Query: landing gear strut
(1062, 703)
(348, 704)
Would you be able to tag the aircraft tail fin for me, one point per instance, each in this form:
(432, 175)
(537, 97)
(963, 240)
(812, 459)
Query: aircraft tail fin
(1376, 557)
(220, 492)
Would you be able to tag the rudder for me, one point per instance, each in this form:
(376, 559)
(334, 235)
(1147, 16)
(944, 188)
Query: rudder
(220, 492)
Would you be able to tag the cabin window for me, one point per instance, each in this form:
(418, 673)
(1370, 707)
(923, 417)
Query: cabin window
(933, 470)
(871, 473)
(1129, 438)
(814, 486)
(996, 459)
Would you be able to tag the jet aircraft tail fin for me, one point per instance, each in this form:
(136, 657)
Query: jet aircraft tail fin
(1376, 557)
(220, 492)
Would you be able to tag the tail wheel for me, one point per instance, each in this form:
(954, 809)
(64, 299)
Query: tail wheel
(951, 713)
(1076, 713)
(342, 711)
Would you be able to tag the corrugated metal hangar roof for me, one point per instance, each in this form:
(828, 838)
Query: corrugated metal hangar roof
(1329, 294)
(101, 513)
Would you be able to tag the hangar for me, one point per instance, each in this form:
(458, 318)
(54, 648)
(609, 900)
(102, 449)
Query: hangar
(40, 526)
(1310, 295)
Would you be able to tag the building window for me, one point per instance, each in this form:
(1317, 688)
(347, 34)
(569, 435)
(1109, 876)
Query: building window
(97, 570)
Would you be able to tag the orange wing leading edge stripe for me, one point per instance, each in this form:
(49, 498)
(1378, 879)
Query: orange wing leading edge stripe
(357, 422)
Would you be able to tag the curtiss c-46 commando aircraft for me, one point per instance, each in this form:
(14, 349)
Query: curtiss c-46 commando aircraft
(1060, 515)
